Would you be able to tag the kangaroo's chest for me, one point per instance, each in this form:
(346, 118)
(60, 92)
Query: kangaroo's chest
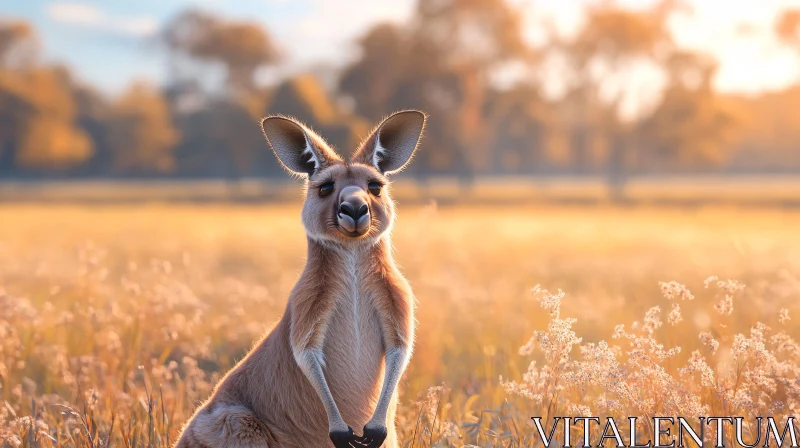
(354, 349)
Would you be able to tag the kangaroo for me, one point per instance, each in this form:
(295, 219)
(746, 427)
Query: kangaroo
(333, 361)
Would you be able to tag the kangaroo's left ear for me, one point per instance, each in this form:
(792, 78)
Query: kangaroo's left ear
(393, 143)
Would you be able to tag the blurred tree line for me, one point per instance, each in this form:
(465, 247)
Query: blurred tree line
(466, 62)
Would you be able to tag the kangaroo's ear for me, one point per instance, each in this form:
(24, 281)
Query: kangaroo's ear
(297, 147)
(393, 143)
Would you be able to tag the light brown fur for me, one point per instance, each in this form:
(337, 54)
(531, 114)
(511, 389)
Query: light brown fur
(351, 303)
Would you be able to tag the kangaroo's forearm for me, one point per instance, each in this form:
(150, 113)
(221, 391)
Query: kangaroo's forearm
(396, 362)
(311, 312)
(396, 313)
(311, 361)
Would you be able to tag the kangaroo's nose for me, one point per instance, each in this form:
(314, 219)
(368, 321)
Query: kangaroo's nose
(354, 211)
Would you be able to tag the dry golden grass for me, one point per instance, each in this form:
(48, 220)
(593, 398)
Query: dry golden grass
(687, 189)
(128, 315)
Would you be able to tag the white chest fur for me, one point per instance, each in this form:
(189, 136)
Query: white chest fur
(353, 343)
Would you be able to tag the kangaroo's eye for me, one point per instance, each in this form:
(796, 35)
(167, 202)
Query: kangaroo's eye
(375, 188)
(326, 189)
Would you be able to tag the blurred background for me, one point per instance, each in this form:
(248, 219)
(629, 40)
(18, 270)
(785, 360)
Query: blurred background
(591, 100)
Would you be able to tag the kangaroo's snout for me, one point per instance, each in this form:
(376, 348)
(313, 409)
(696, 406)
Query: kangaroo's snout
(353, 214)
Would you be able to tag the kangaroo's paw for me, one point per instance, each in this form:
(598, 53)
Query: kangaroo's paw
(374, 436)
(347, 439)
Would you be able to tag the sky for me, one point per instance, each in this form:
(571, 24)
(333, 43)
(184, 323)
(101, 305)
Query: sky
(110, 43)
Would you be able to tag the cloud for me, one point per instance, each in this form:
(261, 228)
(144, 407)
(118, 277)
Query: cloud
(318, 36)
(88, 16)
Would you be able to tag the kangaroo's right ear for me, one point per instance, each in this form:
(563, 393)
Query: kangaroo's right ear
(298, 148)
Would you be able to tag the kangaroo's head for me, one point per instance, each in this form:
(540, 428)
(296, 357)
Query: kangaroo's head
(346, 201)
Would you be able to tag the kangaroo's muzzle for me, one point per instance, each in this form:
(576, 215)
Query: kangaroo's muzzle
(353, 214)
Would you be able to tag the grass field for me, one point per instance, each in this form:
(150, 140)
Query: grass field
(763, 190)
(127, 315)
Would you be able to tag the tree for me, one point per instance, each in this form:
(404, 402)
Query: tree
(220, 140)
(37, 109)
(691, 126)
(50, 143)
(612, 41)
(787, 27)
(472, 33)
(19, 45)
(371, 81)
(220, 131)
(38, 113)
(518, 119)
(93, 111)
(141, 134)
(304, 97)
(768, 135)
(240, 47)
(440, 62)
(14, 107)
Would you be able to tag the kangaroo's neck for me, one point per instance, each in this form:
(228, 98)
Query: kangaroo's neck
(367, 258)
